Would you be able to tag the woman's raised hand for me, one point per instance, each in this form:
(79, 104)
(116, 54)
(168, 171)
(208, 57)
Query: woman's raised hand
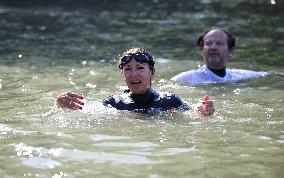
(70, 100)
(206, 108)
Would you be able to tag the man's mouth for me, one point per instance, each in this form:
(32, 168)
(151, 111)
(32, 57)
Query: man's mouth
(213, 53)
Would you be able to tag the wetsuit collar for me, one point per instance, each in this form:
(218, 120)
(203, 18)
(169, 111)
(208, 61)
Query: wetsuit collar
(142, 99)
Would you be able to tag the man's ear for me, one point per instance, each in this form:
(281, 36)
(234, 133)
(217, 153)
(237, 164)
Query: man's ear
(200, 50)
(231, 52)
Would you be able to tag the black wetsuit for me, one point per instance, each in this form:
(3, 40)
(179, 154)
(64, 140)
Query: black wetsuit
(151, 101)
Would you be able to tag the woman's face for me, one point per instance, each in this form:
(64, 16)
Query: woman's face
(137, 76)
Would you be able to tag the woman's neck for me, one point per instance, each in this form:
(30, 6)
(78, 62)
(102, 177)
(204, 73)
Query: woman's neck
(144, 98)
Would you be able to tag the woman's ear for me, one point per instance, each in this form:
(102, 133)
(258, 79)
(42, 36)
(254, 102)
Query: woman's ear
(153, 72)
(122, 75)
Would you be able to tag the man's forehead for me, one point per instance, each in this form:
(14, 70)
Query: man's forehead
(216, 33)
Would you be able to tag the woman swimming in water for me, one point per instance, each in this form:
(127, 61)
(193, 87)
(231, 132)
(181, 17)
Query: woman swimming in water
(137, 68)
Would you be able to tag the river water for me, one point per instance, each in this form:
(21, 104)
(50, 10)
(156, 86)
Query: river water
(49, 47)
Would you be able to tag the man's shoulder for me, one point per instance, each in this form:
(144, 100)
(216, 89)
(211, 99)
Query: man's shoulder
(186, 75)
(246, 73)
(192, 76)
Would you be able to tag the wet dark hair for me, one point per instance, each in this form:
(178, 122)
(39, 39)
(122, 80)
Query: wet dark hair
(230, 38)
(135, 52)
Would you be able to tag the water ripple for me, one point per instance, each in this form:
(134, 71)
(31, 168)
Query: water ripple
(128, 145)
(42, 163)
(107, 137)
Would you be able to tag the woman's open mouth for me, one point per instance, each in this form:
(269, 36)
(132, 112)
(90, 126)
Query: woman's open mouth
(135, 82)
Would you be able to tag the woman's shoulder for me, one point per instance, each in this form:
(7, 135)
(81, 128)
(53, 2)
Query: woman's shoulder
(112, 99)
(169, 96)
(173, 100)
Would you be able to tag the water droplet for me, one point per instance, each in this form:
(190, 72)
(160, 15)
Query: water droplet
(84, 63)
(273, 2)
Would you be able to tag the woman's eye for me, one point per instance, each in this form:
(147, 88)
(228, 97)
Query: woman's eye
(126, 69)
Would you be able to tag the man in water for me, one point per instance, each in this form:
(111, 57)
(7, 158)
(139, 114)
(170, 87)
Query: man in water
(216, 46)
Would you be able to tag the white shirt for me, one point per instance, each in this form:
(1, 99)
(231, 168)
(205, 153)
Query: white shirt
(205, 76)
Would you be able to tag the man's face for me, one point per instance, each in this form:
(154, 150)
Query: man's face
(215, 49)
(137, 76)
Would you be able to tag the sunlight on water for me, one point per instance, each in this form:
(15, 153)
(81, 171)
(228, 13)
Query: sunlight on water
(107, 137)
(41, 163)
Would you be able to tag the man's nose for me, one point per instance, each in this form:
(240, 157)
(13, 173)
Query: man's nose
(213, 46)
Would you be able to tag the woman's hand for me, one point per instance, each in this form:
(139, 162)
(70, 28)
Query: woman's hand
(206, 108)
(70, 100)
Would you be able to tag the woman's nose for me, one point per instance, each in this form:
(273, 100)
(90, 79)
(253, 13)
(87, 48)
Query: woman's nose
(133, 73)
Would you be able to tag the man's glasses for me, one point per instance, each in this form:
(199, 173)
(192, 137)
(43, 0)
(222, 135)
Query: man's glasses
(139, 57)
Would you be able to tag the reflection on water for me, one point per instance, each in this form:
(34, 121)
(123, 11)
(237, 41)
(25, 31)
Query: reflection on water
(48, 47)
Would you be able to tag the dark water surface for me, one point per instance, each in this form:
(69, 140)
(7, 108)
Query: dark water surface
(48, 47)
